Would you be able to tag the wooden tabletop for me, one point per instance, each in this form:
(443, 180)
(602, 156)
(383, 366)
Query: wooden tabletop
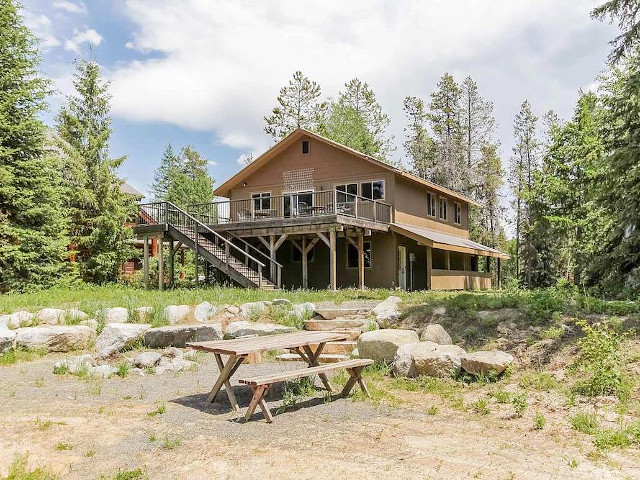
(245, 346)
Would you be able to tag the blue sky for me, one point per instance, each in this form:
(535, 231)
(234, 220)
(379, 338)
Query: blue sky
(204, 73)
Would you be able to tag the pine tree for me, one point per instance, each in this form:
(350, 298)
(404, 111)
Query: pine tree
(346, 125)
(523, 165)
(418, 144)
(490, 179)
(33, 237)
(97, 206)
(478, 122)
(361, 98)
(191, 182)
(444, 115)
(627, 15)
(299, 105)
(163, 174)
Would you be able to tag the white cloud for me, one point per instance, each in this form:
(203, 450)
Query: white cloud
(211, 163)
(70, 7)
(242, 159)
(221, 64)
(87, 35)
(41, 27)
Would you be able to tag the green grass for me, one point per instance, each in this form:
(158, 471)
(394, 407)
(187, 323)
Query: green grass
(63, 446)
(541, 381)
(123, 369)
(162, 408)
(585, 422)
(539, 421)
(481, 406)
(621, 437)
(17, 355)
(135, 474)
(19, 470)
(169, 443)
(519, 402)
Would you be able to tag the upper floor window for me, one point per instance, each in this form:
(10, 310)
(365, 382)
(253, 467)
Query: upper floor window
(346, 192)
(457, 213)
(373, 190)
(261, 201)
(305, 147)
(443, 208)
(431, 204)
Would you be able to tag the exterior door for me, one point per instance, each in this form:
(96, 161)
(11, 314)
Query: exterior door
(402, 267)
(297, 204)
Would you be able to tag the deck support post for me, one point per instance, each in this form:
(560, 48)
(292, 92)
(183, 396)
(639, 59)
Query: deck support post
(332, 260)
(171, 261)
(145, 262)
(447, 259)
(160, 263)
(429, 266)
(499, 275)
(305, 264)
(361, 259)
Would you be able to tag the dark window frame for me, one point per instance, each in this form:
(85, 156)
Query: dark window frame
(367, 259)
(258, 199)
(306, 145)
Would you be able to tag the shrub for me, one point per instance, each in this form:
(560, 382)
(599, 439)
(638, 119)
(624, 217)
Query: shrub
(519, 402)
(480, 407)
(539, 421)
(600, 358)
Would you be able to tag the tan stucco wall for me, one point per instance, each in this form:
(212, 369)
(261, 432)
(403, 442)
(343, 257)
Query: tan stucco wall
(410, 203)
(458, 280)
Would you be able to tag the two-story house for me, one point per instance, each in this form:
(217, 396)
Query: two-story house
(313, 213)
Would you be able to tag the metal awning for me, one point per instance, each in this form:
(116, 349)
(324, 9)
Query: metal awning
(444, 241)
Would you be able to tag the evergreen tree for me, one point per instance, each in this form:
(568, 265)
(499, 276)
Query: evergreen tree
(97, 206)
(490, 179)
(478, 122)
(360, 97)
(33, 237)
(419, 145)
(524, 162)
(299, 105)
(346, 125)
(627, 14)
(191, 183)
(164, 173)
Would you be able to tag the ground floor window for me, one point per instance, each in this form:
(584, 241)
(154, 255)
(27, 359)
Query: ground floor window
(352, 255)
(438, 259)
(347, 192)
(456, 261)
(297, 255)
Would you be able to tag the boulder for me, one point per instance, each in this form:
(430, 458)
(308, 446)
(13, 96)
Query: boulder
(17, 319)
(74, 315)
(381, 345)
(74, 364)
(117, 336)
(437, 360)
(91, 323)
(179, 335)
(204, 312)
(437, 334)
(102, 371)
(338, 322)
(55, 338)
(281, 301)
(302, 310)
(144, 313)
(50, 316)
(233, 310)
(387, 310)
(147, 359)
(116, 315)
(244, 329)
(331, 313)
(6, 338)
(171, 353)
(486, 363)
(254, 309)
(178, 313)
(177, 365)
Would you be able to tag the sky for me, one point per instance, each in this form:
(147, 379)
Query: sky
(206, 72)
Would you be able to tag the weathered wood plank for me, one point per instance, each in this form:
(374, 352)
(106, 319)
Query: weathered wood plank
(306, 372)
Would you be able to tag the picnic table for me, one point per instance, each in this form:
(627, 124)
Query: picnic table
(240, 348)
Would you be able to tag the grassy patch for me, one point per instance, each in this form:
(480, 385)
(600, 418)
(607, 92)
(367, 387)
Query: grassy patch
(539, 421)
(585, 422)
(481, 406)
(162, 408)
(169, 443)
(19, 470)
(135, 474)
(17, 355)
(541, 381)
(63, 446)
(519, 402)
(621, 437)
(123, 369)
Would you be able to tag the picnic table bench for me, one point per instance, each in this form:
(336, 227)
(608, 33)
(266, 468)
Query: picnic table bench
(300, 342)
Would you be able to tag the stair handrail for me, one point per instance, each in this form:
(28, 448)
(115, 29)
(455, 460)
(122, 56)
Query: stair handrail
(200, 224)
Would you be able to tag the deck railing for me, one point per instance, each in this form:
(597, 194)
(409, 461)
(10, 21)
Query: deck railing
(295, 205)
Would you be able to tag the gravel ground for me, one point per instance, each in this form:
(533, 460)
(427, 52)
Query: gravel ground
(83, 429)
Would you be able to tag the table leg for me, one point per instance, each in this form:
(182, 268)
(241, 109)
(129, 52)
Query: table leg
(225, 374)
(312, 360)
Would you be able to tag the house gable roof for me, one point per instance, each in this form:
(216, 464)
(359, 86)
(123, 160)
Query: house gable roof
(225, 189)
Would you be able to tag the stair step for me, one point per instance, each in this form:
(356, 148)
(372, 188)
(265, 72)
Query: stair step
(294, 357)
(354, 333)
(325, 325)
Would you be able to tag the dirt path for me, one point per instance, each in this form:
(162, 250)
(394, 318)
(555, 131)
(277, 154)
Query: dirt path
(105, 427)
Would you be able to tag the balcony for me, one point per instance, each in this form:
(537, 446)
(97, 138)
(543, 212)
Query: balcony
(292, 209)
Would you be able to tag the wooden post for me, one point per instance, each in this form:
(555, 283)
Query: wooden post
(429, 266)
(305, 264)
(332, 260)
(499, 275)
(447, 259)
(272, 255)
(172, 252)
(160, 263)
(361, 259)
(145, 262)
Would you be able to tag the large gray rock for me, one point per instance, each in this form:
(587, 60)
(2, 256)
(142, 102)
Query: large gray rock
(254, 309)
(75, 364)
(302, 310)
(116, 315)
(387, 310)
(178, 313)
(176, 365)
(486, 363)
(55, 338)
(244, 329)
(381, 345)
(6, 338)
(144, 313)
(331, 312)
(74, 315)
(203, 312)
(146, 359)
(117, 336)
(179, 335)
(437, 334)
(17, 319)
(102, 371)
(50, 316)
(437, 360)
